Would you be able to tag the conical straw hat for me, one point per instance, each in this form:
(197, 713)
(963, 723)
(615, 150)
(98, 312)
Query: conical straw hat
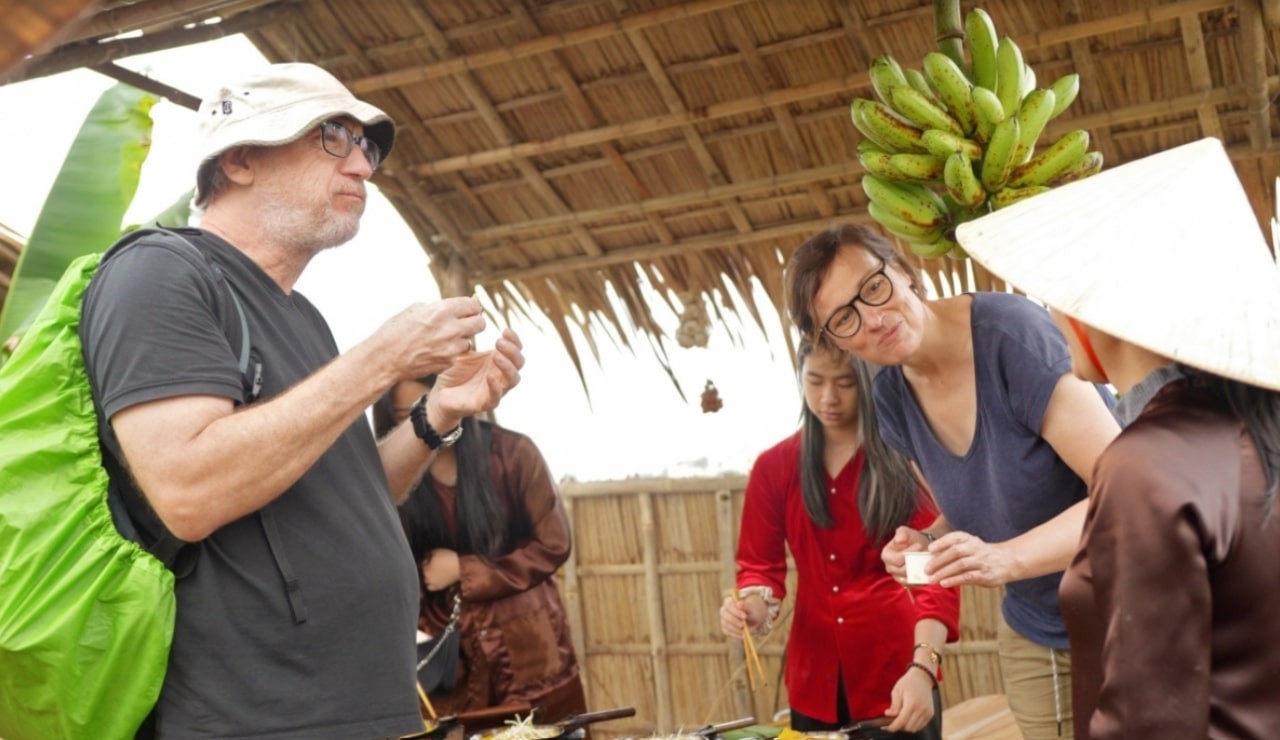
(1163, 252)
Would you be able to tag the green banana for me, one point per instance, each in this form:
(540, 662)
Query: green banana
(962, 184)
(901, 228)
(988, 110)
(998, 162)
(1006, 197)
(1009, 77)
(942, 143)
(918, 167)
(876, 160)
(1090, 165)
(954, 88)
(1064, 154)
(1034, 112)
(915, 107)
(886, 128)
(932, 250)
(980, 32)
(1065, 88)
(916, 204)
(860, 123)
(886, 74)
(915, 78)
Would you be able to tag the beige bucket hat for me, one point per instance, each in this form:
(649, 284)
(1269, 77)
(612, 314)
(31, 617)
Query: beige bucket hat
(279, 104)
(1163, 252)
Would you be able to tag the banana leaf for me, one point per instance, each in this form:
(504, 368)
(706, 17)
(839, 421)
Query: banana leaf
(87, 203)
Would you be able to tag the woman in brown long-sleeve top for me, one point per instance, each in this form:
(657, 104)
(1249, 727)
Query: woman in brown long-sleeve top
(486, 523)
(1157, 274)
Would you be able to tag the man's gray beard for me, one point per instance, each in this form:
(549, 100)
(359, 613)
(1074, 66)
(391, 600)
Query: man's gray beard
(300, 231)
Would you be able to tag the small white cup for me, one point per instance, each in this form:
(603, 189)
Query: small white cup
(915, 567)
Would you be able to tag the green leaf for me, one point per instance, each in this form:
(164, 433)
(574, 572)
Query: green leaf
(85, 207)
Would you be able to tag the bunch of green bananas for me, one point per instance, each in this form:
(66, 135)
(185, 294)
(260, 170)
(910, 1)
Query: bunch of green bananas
(944, 145)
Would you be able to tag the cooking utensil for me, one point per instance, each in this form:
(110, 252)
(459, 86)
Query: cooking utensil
(559, 729)
(439, 726)
(854, 731)
(734, 724)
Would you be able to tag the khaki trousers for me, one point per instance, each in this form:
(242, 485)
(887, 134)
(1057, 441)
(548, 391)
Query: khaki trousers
(1037, 682)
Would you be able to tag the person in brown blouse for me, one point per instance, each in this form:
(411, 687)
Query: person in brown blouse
(486, 523)
(1157, 274)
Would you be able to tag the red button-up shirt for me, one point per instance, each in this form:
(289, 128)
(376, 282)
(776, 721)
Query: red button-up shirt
(850, 615)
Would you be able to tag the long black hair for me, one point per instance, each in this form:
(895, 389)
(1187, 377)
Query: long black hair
(1259, 410)
(888, 492)
(484, 525)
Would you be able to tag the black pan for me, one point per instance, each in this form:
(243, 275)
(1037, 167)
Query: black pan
(565, 726)
(439, 726)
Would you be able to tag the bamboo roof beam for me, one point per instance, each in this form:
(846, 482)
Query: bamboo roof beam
(762, 234)
(586, 114)
(1253, 60)
(534, 47)
(493, 121)
(144, 15)
(1083, 63)
(675, 104)
(802, 178)
(1198, 67)
(91, 54)
(833, 86)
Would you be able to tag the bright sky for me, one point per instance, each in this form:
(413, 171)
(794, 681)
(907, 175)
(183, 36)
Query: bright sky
(637, 423)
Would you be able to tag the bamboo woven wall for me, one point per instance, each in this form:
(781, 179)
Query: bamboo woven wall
(652, 560)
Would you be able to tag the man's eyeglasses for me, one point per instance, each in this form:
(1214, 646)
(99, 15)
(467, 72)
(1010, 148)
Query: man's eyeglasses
(876, 290)
(339, 141)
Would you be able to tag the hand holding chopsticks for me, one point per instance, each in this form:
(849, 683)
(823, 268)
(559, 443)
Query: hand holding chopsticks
(755, 669)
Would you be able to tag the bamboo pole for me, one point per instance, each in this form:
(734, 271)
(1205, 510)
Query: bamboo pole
(573, 602)
(726, 527)
(657, 625)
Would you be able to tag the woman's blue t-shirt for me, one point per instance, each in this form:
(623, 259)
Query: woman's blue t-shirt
(1010, 480)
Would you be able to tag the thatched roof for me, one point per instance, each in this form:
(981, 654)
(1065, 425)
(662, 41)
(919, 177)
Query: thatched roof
(555, 153)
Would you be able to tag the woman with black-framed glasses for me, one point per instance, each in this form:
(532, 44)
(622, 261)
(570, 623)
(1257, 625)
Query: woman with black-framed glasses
(977, 391)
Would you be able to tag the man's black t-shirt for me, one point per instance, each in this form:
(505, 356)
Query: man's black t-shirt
(241, 666)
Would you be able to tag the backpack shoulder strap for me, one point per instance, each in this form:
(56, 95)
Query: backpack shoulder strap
(243, 357)
(169, 549)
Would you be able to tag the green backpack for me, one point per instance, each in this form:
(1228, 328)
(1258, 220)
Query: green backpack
(86, 615)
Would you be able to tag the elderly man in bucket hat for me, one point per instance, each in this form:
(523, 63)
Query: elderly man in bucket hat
(296, 591)
(1159, 277)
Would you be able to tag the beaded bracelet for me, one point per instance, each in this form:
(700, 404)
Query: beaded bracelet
(925, 668)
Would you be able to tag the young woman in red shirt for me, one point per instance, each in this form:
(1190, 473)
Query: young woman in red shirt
(861, 646)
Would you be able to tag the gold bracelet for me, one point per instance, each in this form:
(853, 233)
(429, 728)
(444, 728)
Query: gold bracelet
(934, 655)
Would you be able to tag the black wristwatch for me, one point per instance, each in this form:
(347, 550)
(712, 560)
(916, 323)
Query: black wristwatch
(422, 428)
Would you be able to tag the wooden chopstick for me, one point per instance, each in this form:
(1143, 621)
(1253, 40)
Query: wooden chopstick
(755, 669)
(425, 702)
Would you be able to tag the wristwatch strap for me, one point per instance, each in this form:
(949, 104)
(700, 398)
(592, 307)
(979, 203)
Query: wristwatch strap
(422, 428)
